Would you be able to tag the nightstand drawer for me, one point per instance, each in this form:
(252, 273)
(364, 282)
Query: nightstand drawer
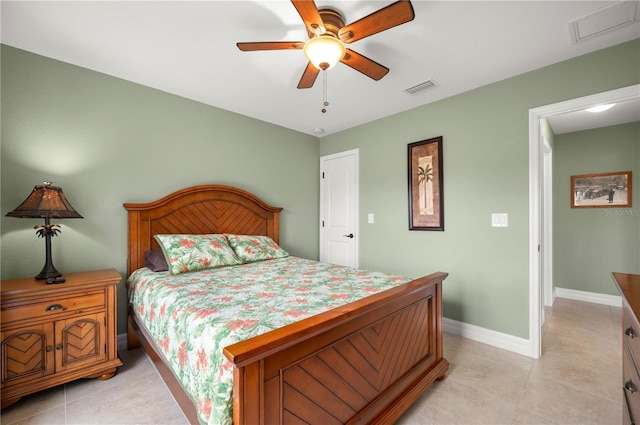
(631, 385)
(52, 306)
(631, 331)
(629, 287)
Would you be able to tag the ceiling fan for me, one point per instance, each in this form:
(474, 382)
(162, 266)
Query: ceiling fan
(328, 33)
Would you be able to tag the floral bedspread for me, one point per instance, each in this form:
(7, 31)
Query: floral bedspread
(193, 316)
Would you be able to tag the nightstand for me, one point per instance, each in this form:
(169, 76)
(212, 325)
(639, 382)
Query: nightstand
(628, 285)
(56, 333)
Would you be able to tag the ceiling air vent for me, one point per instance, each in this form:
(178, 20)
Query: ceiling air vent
(420, 87)
(608, 18)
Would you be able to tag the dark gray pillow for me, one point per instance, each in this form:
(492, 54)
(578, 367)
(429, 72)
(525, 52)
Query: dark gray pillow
(154, 260)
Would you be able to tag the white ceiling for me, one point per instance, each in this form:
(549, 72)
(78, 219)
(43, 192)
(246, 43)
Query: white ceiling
(620, 113)
(188, 49)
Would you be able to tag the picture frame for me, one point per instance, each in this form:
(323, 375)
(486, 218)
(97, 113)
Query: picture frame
(426, 196)
(604, 190)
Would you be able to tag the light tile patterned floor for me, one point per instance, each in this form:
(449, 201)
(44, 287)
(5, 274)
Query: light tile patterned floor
(577, 381)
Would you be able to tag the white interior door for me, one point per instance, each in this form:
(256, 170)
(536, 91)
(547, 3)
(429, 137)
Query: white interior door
(339, 208)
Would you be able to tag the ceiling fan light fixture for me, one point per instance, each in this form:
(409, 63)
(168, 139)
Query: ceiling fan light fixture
(324, 51)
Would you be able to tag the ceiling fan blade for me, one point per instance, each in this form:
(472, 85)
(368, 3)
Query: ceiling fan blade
(270, 45)
(365, 65)
(309, 13)
(308, 77)
(395, 14)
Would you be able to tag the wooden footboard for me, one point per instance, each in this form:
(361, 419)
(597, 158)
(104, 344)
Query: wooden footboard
(363, 363)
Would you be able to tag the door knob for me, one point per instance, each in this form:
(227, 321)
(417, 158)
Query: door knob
(350, 236)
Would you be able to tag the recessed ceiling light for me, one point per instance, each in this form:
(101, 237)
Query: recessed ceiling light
(601, 108)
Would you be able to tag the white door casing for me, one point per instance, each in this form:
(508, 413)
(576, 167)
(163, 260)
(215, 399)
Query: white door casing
(339, 231)
(536, 182)
(548, 295)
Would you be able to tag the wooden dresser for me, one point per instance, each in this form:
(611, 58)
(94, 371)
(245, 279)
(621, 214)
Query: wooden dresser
(629, 287)
(56, 333)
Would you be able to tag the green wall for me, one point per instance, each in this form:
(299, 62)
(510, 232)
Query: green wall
(590, 243)
(486, 170)
(107, 141)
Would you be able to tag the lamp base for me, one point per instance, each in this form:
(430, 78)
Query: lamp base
(50, 275)
(59, 279)
(48, 272)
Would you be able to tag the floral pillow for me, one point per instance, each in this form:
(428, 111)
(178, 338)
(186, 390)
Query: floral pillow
(187, 253)
(255, 248)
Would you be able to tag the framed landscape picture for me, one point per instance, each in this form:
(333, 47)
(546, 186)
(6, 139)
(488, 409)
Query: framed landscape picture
(426, 198)
(605, 190)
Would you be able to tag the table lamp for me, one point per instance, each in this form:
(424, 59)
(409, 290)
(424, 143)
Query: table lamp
(46, 201)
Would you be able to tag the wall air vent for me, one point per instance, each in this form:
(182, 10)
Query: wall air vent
(421, 87)
(605, 19)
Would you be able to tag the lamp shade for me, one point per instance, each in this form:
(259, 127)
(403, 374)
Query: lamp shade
(45, 201)
(324, 51)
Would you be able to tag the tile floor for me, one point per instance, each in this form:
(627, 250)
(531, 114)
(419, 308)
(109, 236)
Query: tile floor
(577, 381)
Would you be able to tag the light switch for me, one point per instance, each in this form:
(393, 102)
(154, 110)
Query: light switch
(370, 218)
(500, 220)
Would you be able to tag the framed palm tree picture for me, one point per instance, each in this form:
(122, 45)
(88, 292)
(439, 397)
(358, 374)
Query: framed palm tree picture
(426, 201)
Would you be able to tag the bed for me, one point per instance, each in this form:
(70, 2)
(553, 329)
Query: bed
(365, 361)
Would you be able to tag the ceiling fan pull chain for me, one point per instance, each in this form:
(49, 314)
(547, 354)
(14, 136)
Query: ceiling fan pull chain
(324, 92)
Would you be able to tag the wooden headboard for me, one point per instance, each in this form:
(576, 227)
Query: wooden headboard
(198, 210)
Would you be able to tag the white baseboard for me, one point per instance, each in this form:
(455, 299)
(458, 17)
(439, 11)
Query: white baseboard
(487, 336)
(515, 344)
(591, 297)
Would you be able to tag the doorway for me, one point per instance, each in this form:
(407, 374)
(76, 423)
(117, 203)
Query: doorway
(537, 226)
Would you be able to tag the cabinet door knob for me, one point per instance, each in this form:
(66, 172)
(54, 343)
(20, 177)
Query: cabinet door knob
(49, 349)
(629, 332)
(53, 307)
(629, 386)
(59, 347)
